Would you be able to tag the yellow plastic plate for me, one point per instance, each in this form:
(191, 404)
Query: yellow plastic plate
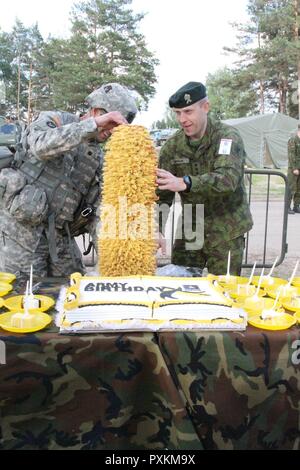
(5, 288)
(293, 305)
(266, 304)
(1, 303)
(7, 277)
(41, 320)
(268, 281)
(297, 316)
(296, 282)
(16, 303)
(286, 293)
(283, 322)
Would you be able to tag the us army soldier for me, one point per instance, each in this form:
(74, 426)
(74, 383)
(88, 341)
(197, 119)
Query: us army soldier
(204, 163)
(294, 172)
(56, 173)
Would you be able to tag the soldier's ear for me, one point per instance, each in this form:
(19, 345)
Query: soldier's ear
(206, 106)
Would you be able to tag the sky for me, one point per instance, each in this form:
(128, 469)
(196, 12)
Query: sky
(187, 37)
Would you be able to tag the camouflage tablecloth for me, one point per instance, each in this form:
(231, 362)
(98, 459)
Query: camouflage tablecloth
(146, 391)
(90, 392)
(242, 389)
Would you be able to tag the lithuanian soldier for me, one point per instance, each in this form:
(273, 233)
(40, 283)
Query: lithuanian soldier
(294, 172)
(54, 180)
(204, 163)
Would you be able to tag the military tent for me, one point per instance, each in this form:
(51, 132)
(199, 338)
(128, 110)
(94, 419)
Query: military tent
(265, 137)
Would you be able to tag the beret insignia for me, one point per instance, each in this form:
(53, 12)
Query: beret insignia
(187, 98)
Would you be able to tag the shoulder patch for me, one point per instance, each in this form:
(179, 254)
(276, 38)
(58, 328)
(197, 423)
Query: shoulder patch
(51, 124)
(225, 146)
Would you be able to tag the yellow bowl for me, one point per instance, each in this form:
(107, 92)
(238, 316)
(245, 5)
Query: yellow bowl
(285, 293)
(16, 303)
(268, 281)
(5, 288)
(39, 322)
(8, 278)
(283, 322)
(296, 282)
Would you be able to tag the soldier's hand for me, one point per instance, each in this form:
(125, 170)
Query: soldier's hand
(296, 172)
(162, 244)
(166, 181)
(106, 122)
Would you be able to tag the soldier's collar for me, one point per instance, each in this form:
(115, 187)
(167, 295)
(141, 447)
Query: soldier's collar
(204, 141)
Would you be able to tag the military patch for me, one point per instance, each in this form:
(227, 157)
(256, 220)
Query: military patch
(51, 124)
(225, 146)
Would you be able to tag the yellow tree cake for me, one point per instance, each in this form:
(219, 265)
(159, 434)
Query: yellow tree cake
(127, 244)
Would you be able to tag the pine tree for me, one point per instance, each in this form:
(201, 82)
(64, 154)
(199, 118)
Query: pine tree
(105, 46)
(268, 51)
(17, 65)
(230, 95)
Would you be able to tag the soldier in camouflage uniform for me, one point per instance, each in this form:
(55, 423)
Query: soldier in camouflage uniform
(204, 163)
(294, 172)
(54, 181)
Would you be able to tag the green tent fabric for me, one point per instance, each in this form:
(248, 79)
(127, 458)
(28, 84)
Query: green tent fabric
(265, 138)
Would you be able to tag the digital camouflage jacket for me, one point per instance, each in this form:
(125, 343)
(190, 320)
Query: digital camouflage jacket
(58, 165)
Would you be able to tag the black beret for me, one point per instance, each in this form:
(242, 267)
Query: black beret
(187, 95)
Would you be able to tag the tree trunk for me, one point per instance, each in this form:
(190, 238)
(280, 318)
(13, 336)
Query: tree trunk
(261, 84)
(29, 95)
(262, 97)
(284, 97)
(19, 88)
(297, 16)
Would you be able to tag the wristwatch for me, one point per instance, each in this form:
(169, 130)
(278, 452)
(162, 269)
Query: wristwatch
(188, 181)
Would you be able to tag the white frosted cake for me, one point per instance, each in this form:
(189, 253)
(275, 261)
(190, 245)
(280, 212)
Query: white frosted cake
(143, 303)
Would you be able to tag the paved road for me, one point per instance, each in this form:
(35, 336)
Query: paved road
(274, 237)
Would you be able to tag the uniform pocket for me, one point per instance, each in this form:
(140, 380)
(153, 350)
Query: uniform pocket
(11, 183)
(30, 206)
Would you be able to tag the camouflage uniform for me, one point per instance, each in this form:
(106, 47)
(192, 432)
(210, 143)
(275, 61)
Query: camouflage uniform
(55, 171)
(58, 174)
(294, 164)
(217, 183)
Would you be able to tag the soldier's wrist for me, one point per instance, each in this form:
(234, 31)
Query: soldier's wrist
(188, 183)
